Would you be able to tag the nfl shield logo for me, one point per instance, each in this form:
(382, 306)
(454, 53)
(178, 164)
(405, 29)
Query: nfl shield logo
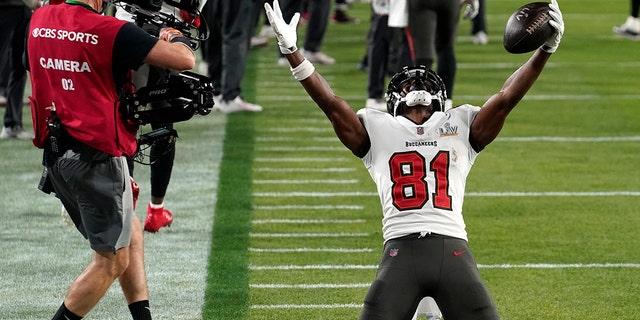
(420, 130)
(393, 252)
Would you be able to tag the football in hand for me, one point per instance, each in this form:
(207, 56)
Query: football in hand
(528, 28)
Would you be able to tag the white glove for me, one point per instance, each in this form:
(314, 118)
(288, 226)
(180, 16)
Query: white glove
(285, 33)
(471, 8)
(557, 23)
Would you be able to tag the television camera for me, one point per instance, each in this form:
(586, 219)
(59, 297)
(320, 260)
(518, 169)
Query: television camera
(175, 97)
(148, 15)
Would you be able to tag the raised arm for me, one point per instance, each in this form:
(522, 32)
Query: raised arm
(346, 124)
(490, 120)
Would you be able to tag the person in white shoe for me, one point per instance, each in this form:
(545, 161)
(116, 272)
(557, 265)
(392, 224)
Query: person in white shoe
(419, 157)
(14, 19)
(384, 38)
(479, 34)
(631, 27)
(433, 28)
(226, 51)
(319, 12)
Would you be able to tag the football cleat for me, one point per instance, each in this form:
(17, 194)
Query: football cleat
(157, 218)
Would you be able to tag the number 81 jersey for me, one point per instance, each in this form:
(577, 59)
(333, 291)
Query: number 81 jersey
(420, 170)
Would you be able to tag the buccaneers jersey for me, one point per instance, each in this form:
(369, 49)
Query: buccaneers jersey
(420, 170)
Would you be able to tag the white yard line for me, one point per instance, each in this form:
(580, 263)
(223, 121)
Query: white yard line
(622, 193)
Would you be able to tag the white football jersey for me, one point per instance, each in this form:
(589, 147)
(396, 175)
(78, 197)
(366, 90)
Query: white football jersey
(420, 170)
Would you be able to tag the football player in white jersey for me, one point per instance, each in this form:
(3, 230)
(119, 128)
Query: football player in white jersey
(419, 156)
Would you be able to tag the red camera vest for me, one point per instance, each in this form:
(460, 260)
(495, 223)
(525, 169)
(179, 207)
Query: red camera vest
(70, 49)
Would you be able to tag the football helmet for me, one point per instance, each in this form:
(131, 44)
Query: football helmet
(415, 85)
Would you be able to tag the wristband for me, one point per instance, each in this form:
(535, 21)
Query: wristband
(168, 34)
(548, 48)
(303, 70)
(182, 40)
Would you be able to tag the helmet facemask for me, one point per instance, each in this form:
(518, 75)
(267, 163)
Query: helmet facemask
(415, 86)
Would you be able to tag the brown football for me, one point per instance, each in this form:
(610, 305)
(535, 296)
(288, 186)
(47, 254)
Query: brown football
(528, 28)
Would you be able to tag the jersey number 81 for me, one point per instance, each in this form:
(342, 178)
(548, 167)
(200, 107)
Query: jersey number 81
(410, 190)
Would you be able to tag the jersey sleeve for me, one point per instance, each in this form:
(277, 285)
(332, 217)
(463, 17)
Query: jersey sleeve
(131, 47)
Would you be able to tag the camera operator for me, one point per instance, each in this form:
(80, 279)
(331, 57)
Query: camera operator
(79, 61)
(162, 152)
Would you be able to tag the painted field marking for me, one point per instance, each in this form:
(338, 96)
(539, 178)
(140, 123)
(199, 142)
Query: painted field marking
(570, 139)
(310, 286)
(288, 250)
(306, 306)
(307, 221)
(468, 194)
(631, 265)
(296, 149)
(308, 235)
(461, 97)
(308, 207)
(267, 169)
(316, 181)
(310, 160)
(281, 139)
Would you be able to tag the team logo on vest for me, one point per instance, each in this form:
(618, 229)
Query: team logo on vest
(448, 130)
(65, 35)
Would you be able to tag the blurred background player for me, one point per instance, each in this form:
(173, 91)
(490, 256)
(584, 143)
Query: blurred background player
(14, 20)
(479, 34)
(162, 153)
(433, 27)
(231, 24)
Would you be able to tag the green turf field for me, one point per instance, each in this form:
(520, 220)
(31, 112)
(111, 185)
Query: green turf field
(275, 219)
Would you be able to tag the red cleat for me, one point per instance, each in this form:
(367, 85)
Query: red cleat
(157, 218)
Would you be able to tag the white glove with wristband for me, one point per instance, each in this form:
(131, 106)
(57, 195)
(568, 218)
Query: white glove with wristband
(285, 33)
(551, 45)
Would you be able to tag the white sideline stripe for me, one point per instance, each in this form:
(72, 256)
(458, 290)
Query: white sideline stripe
(559, 266)
(482, 266)
(315, 139)
(558, 97)
(298, 129)
(308, 235)
(300, 159)
(306, 306)
(309, 286)
(306, 207)
(266, 169)
(555, 194)
(571, 139)
(354, 100)
(287, 250)
(518, 139)
(313, 194)
(294, 149)
(327, 181)
(553, 64)
(307, 221)
(469, 194)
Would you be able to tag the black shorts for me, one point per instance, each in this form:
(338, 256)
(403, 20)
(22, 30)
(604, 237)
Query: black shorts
(97, 195)
(441, 267)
